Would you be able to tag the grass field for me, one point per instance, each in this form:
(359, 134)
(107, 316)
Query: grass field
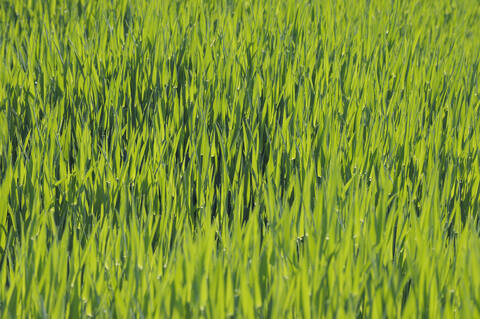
(266, 159)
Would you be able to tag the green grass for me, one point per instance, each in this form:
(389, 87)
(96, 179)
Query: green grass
(239, 158)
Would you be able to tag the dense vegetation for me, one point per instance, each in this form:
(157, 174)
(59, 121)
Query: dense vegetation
(239, 158)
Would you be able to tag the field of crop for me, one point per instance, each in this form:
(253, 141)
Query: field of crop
(265, 159)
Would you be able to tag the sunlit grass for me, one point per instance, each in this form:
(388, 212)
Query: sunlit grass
(239, 158)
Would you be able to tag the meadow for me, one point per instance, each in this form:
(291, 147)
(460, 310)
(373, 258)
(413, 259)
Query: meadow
(221, 158)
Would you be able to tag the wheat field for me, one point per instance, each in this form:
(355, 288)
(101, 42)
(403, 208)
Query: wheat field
(245, 159)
